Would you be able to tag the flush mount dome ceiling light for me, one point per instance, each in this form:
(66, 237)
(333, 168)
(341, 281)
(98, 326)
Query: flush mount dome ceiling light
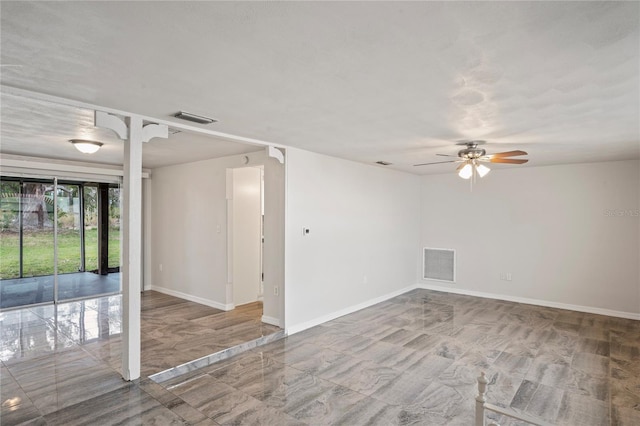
(86, 146)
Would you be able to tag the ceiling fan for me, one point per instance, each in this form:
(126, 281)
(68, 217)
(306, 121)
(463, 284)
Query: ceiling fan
(472, 157)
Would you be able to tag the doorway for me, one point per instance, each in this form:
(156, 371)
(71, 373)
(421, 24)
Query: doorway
(247, 213)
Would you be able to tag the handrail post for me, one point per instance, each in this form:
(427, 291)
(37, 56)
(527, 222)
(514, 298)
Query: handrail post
(480, 399)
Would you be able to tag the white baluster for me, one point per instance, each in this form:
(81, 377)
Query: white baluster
(480, 400)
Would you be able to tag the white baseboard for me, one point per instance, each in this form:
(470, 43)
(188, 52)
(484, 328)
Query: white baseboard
(191, 298)
(271, 320)
(351, 309)
(538, 302)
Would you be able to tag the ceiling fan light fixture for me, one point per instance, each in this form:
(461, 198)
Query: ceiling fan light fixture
(86, 146)
(482, 170)
(466, 171)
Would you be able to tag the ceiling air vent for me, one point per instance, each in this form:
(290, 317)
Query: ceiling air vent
(194, 118)
(383, 163)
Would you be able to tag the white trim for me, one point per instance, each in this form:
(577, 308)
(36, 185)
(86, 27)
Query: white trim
(538, 302)
(271, 320)
(21, 163)
(346, 311)
(196, 299)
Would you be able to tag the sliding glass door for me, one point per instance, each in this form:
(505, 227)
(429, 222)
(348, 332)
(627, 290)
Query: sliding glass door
(52, 239)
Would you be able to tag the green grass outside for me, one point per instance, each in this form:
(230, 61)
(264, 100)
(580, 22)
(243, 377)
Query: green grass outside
(38, 252)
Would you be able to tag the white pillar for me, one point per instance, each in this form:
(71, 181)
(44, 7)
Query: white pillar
(133, 131)
(131, 249)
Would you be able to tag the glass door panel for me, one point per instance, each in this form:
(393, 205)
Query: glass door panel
(69, 242)
(69, 222)
(9, 229)
(114, 229)
(37, 220)
(91, 228)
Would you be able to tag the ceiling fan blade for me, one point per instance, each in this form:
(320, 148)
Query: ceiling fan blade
(447, 155)
(507, 154)
(438, 162)
(507, 160)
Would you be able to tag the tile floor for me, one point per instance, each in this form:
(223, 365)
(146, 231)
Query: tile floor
(57, 356)
(413, 359)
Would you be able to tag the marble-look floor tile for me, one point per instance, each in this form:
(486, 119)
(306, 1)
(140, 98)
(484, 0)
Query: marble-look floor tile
(401, 336)
(429, 366)
(581, 410)
(370, 411)
(502, 388)
(513, 364)
(547, 373)
(320, 361)
(129, 405)
(591, 364)
(442, 400)
(572, 317)
(538, 400)
(623, 416)
(413, 359)
(425, 342)
(25, 413)
(18, 343)
(359, 375)
(625, 393)
(64, 379)
(561, 343)
(403, 389)
(462, 378)
(593, 331)
(327, 407)
(593, 346)
(584, 384)
(287, 388)
(624, 369)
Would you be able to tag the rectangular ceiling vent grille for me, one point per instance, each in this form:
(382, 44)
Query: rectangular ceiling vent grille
(439, 264)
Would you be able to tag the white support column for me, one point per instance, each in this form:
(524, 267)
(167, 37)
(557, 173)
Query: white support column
(132, 249)
(131, 268)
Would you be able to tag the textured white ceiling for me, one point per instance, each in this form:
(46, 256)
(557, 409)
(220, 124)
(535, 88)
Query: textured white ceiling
(42, 129)
(371, 81)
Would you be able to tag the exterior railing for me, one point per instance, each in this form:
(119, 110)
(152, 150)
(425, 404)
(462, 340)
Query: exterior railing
(482, 406)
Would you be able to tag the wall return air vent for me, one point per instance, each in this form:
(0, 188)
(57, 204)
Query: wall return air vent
(439, 264)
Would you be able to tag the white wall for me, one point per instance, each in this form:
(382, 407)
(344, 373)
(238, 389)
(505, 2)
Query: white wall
(247, 218)
(548, 226)
(274, 239)
(363, 221)
(189, 229)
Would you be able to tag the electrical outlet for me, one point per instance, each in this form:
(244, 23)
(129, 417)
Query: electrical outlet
(508, 276)
(160, 267)
(365, 279)
(276, 291)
